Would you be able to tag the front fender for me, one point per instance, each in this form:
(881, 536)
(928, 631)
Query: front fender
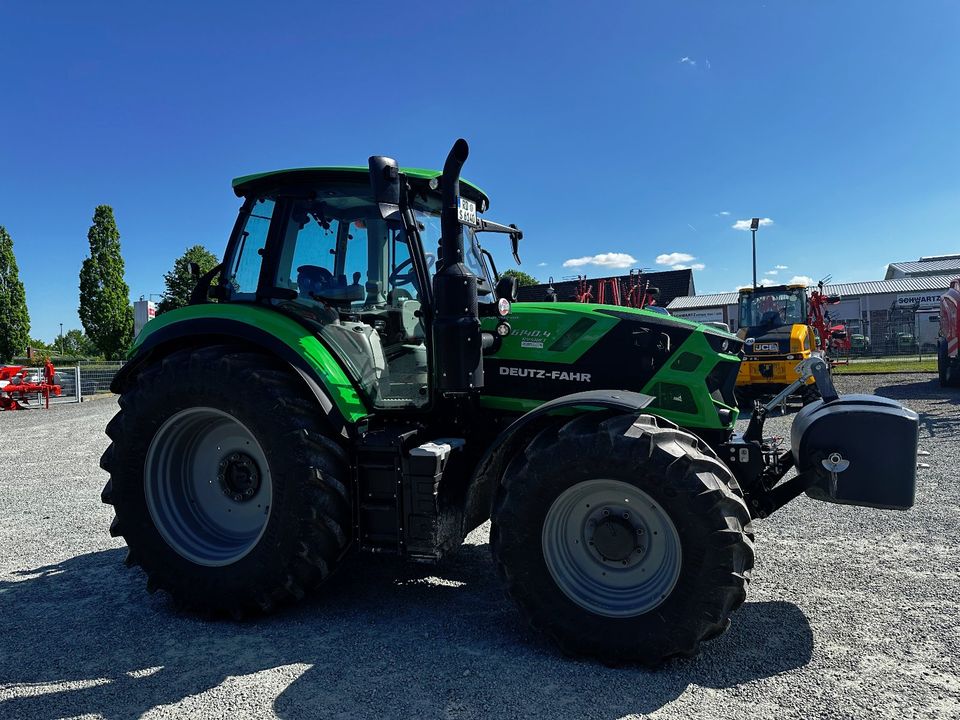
(489, 470)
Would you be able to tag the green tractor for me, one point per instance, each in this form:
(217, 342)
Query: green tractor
(356, 376)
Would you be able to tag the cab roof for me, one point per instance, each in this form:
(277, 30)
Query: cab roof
(246, 184)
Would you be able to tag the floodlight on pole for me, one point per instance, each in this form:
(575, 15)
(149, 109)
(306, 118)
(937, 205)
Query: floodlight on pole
(754, 225)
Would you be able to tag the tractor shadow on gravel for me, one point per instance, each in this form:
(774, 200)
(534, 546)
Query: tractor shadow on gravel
(83, 637)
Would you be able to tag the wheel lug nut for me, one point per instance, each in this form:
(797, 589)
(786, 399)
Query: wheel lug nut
(626, 515)
(606, 513)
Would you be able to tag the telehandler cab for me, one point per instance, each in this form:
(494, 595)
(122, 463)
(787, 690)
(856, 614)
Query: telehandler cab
(365, 381)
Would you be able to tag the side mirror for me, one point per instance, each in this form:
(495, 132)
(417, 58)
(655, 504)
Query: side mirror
(194, 269)
(385, 183)
(507, 288)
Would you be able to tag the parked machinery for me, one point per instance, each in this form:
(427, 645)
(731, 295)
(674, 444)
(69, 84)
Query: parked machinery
(781, 325)
(18, 384)
(948, 345)
(365, 382)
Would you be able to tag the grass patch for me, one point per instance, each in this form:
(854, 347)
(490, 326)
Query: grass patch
(888, 366)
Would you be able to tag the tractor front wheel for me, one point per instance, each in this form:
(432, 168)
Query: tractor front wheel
(622, 538)
(227, 485)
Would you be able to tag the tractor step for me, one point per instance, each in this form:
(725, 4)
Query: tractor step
(398, 504)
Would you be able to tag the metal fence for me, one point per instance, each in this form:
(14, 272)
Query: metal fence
(888, 334)
(85, 379)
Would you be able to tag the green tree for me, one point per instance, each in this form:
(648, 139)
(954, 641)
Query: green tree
(74, 344)
(179, 282)
(523, 278)
(14, 318)
(105, 309)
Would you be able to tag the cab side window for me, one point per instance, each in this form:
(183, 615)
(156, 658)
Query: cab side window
(244, 274)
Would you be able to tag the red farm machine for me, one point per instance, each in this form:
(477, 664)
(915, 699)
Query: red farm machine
(634, 292)
(948, 344)
(18, 384)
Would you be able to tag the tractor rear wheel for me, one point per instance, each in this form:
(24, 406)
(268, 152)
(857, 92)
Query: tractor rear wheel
(227, 485)
(622, 538)
(947, 368)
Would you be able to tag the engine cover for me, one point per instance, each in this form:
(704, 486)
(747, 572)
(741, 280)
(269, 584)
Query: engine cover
(862, 448)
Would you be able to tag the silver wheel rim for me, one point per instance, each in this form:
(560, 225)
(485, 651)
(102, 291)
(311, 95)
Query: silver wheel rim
(608, 516)
(207, 486)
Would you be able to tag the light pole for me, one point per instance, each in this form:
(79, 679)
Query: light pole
(61, 339)
(754, 224)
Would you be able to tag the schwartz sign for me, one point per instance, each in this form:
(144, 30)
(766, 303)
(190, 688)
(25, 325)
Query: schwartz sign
(927, 299)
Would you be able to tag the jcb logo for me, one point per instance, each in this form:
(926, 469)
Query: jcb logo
(765, 347)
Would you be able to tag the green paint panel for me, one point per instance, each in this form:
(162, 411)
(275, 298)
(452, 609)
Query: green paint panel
(551, 332)
(704, 411)
(326, 368)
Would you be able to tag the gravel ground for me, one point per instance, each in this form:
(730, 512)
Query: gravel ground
(851, 613)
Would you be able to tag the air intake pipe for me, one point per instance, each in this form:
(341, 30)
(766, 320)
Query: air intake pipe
(457, 351)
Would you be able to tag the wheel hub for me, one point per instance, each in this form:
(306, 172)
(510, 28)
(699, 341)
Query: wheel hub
(614, 538)
(239, 477)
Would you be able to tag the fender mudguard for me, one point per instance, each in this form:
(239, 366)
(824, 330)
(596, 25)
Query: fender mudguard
(487, 474)
(263, 330)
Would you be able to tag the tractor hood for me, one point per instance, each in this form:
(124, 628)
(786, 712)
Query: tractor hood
(559, 348)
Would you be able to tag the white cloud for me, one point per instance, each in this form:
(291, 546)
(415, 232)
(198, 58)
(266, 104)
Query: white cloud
(764, 282)
(723, 213)
(543, 264)
(606, 260)
(745, 224)
(695, 266)
(674, 258)
(801, 279)
(780, 267)
(771, 272)
(688, 61)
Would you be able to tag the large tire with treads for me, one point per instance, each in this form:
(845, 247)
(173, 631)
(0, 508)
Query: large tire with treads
(622, 538)
(227, 483)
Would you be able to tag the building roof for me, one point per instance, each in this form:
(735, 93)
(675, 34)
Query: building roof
(671, 283)
(934, 265)
(896, 285)
(701, 301)
(857, 289)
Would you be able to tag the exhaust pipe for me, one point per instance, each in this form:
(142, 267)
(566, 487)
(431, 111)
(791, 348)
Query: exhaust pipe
(457, 339)
(451, 231)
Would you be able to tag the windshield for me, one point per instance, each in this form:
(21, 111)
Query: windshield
(472, 257)
(773, 308)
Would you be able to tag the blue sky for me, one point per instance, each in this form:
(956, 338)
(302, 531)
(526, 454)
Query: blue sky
(602, 129)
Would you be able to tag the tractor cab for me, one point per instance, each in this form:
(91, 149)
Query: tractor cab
(773, 307)
(317, 245)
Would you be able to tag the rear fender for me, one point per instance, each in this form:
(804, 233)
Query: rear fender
(487, 474)
(286, 340)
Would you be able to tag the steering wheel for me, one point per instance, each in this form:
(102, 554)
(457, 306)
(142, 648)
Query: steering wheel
(312, 279)
(398, 278)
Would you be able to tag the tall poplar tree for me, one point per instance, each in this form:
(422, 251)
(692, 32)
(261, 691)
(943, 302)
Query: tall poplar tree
(105, 309)
(14, 318)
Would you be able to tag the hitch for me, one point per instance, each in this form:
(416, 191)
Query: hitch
(757, 465)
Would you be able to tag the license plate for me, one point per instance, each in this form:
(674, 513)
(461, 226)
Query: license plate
(466, 211)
